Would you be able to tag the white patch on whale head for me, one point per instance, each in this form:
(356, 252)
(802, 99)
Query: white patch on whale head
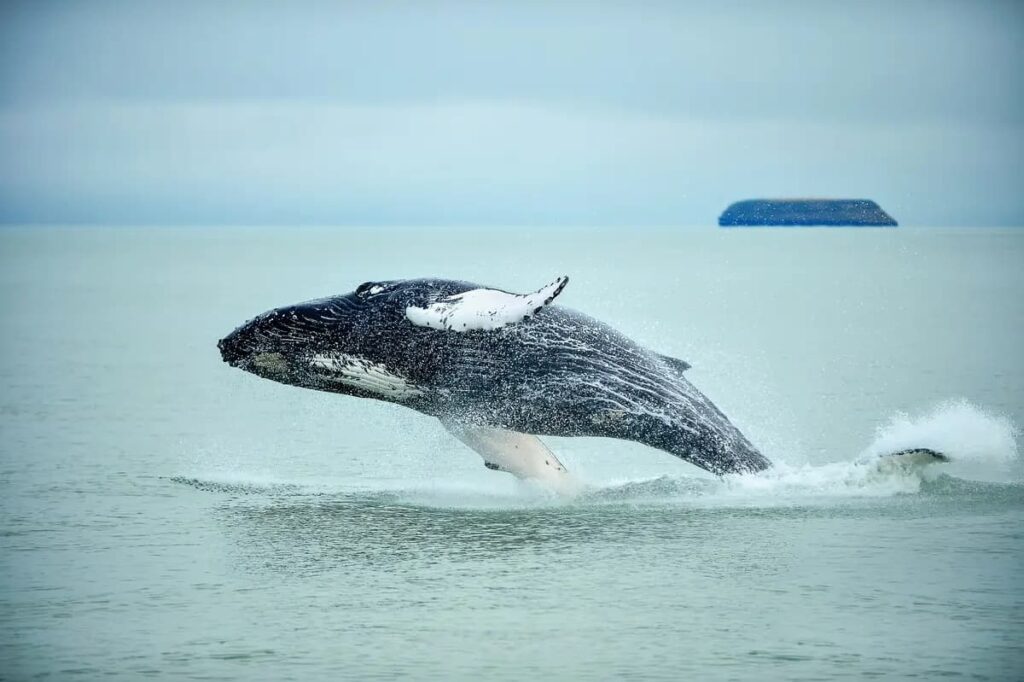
(358, 372)
(483, 309)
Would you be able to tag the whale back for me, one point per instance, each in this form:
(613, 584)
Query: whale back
(564, 373)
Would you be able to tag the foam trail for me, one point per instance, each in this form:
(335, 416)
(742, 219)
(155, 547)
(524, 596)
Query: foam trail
(837, 479)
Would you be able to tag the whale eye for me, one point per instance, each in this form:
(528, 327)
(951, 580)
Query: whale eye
(367, 289)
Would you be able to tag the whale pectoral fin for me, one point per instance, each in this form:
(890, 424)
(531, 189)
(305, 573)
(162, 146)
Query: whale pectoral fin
(521, 454)
(675, 363)
(484, 309)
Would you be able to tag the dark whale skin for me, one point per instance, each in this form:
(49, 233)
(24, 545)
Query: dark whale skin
(558, 372)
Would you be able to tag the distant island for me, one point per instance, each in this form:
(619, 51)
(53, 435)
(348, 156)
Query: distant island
(805, 213)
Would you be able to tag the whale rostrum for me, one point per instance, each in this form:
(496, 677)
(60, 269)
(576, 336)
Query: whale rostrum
(498, 369)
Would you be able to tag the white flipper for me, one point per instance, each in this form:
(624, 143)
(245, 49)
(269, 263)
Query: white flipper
(520, 454)
(483, 309)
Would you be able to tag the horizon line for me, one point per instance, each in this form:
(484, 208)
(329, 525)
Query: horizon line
(426, 225)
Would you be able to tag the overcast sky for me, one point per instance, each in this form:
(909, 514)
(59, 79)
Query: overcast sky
(506, 113)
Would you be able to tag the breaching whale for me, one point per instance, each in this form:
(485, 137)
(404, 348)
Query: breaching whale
(498, 370)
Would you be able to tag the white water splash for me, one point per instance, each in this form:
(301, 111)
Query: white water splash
(980, 445)
(836, 479)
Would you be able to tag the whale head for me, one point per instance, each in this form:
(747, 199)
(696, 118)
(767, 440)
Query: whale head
(352, 343)
(383, 340)
(279, 343)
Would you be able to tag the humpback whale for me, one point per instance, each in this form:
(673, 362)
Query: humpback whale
(498, 369)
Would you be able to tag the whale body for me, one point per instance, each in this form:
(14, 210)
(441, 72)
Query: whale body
(498, 369)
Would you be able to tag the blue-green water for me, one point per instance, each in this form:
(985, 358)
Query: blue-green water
(164, 514)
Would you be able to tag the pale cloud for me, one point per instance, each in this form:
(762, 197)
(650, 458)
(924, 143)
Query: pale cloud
(499, 113)
(477, 162)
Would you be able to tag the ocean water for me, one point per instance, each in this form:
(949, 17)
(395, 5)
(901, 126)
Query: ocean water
(166, 515)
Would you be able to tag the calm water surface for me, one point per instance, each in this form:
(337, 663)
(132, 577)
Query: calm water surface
(165, 515)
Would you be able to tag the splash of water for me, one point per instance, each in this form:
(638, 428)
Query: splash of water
(980, 445)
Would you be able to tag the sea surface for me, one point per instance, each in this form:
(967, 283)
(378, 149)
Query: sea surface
(166, 515)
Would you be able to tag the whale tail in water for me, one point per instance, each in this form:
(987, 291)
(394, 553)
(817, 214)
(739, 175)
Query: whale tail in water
(912, 458)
